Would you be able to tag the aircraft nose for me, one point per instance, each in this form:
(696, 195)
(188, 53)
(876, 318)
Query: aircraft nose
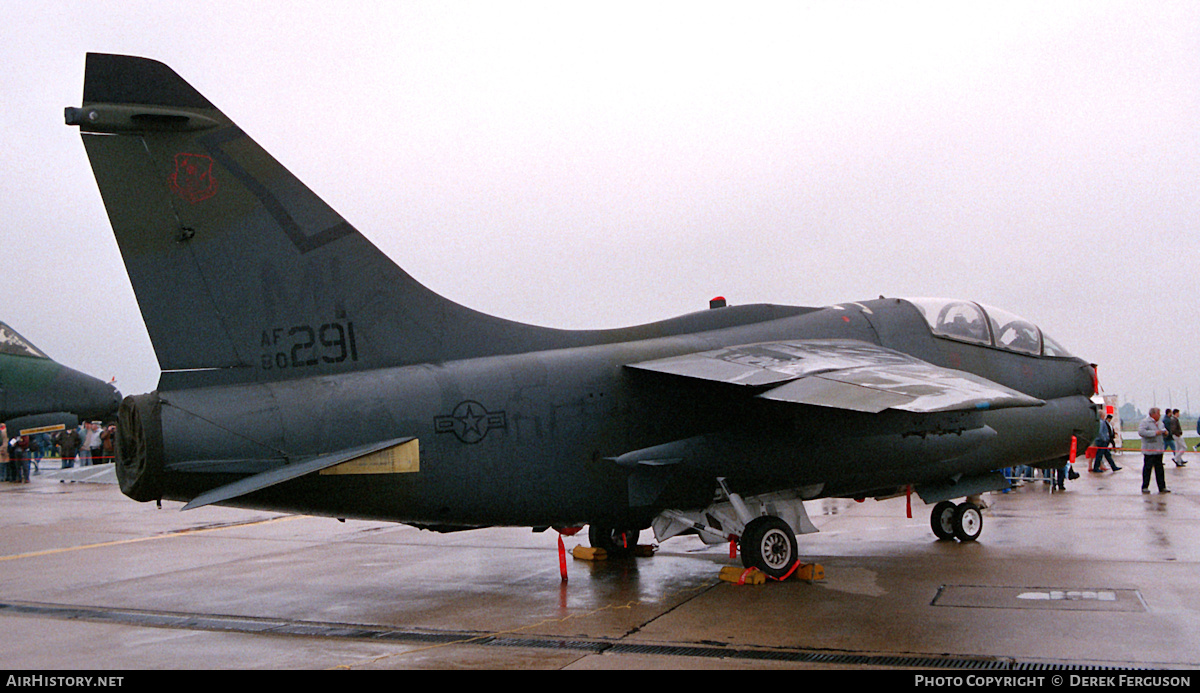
(115, 398)
(1088, 379)
(92, 397)
(108, 399)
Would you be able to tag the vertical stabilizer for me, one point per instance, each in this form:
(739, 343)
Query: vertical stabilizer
(241, 272)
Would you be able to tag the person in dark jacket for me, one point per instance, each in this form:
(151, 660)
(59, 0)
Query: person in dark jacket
(20, 454)
(68, 442)
(1176, 429)
(1104, 444)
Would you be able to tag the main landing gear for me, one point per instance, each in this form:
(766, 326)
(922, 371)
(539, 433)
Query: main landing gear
(769, 544)
(763, 526)
(963, 521)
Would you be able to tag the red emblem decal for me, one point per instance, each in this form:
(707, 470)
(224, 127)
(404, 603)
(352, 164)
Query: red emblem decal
(193, 177)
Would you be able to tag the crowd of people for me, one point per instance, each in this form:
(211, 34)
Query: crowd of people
(86, 444)
(1160, 431)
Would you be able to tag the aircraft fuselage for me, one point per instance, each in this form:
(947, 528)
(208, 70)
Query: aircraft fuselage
(530, 439)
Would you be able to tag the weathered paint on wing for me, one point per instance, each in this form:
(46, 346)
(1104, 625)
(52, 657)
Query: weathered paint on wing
(844, 374)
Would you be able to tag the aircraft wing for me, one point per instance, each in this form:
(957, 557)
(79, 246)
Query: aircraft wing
(843, 374)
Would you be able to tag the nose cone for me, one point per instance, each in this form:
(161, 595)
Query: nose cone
(1089, 386)
(84, 395)
(100, 398)
(1086, 379)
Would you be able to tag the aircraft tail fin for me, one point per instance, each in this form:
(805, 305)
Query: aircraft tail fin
(242, 273)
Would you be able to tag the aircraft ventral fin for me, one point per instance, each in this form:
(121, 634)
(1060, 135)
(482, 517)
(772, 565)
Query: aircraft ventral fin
(843, 374)
(388, 457)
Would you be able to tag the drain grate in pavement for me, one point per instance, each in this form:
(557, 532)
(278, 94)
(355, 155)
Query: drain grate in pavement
(1040, 598)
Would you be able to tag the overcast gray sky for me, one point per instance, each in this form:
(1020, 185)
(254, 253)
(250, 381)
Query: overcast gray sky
(598, 165)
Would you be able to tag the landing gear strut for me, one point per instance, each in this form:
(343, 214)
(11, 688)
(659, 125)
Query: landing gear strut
(963, 521)
(617, 542)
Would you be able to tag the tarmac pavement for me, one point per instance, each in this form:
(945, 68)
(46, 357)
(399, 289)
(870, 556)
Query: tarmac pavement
(1097, 576)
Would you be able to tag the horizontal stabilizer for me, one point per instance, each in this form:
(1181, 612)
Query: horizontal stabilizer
(843, 374)
(288, 472)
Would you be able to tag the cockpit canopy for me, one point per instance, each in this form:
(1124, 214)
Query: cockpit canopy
(967, 321)
(13, 343)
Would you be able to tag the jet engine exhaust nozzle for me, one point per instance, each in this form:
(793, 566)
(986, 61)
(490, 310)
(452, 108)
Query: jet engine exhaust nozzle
(139, 463)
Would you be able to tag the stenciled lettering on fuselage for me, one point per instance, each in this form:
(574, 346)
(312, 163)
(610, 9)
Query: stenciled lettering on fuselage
(470, 422)
(302, 346)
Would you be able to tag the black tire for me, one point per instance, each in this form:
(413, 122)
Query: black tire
(769, 544)
(942, 520)
(617, 542)
(968, 522)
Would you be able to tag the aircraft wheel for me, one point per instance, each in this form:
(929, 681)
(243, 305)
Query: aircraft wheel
(617, 542)
(942, 520)
(769, 544)
(968, 521)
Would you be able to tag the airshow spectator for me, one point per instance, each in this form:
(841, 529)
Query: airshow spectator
(1104, 443)
(20, 455)
(5, 462)
(1176, 428)
(1151, 432)
(91, 443)
(68, 443)
(107, 438)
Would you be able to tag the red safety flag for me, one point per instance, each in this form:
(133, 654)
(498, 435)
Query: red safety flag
(562, 558)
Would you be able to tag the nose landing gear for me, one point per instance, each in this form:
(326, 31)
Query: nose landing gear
(963, 521)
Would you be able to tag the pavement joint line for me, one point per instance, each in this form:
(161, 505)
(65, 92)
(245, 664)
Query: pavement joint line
(585, 646)
(497, 637)
(490, 636)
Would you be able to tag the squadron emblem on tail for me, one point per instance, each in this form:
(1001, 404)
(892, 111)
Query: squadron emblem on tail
(193, 177)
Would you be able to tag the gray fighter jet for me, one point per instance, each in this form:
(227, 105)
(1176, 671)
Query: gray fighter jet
(38, 394)
(304, 371)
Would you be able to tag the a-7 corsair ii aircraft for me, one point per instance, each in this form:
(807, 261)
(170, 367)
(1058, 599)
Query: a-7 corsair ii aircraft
(304, 372)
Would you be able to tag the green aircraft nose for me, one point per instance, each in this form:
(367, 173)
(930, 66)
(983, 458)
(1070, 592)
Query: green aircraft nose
(87, 396)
